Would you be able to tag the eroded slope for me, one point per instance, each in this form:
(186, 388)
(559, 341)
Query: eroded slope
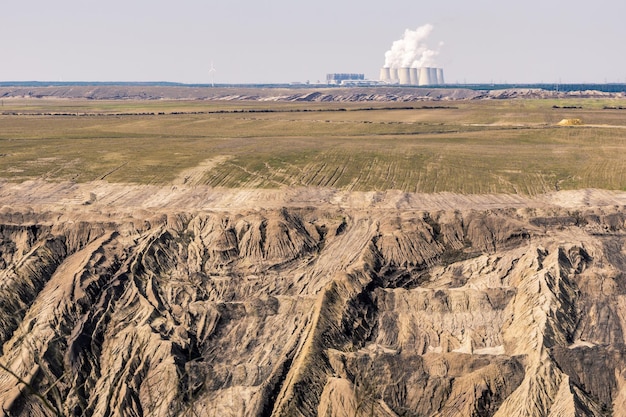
(315, 311)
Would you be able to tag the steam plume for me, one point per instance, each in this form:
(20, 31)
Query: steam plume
(411, 50)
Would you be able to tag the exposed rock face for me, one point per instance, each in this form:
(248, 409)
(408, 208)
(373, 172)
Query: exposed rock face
(305, 312)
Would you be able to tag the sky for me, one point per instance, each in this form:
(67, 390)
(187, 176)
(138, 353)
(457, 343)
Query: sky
(279, 41)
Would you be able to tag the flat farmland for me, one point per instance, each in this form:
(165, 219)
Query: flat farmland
(469, 147)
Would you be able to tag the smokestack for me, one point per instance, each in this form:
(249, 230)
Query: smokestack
(385, 75)
(440, 76)
(404, 75)
(414, 76)
(432, 73)
(393, 75)
(424, 76)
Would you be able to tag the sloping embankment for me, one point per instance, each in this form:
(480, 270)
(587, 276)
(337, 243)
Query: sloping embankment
(512, 309)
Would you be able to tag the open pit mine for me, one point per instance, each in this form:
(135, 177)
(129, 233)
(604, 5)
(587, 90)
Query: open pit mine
(370, 304)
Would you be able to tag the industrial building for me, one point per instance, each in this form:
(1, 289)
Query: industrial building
(412, 76)
(342, 78)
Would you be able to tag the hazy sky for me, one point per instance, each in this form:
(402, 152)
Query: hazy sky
(258, 41)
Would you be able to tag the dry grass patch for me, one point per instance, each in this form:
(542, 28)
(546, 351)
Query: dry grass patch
(468, 147)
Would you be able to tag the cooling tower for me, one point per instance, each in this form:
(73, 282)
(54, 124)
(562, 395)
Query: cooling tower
(414, 76)
(404, 76)
(385, 75)
(440, 76)
(432, 73)
(393, 75)
(424, 76)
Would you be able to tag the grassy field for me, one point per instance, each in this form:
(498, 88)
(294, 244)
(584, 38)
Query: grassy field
(491, 146)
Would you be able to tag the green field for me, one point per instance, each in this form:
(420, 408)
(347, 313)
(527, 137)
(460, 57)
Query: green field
(491, 146)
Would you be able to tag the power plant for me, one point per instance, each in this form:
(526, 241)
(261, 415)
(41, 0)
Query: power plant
(412, 76)
(343, 78)
(410, 61)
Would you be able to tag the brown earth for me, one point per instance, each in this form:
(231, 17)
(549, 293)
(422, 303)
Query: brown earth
(128, 300)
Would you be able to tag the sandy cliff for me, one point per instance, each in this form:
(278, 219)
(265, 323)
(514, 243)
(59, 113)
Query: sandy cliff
(387, 304)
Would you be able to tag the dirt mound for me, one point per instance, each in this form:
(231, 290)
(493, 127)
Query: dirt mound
(313, 94)
(570, 122)
(284, 94)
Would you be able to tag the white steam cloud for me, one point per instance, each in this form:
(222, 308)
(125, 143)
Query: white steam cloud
(411, 50)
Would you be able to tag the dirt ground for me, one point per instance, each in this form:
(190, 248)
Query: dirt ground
(100, 198)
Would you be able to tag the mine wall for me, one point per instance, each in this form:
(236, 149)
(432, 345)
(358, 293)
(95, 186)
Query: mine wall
(315, 312)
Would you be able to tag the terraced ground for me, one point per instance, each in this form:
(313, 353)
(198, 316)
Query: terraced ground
(471, 147)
